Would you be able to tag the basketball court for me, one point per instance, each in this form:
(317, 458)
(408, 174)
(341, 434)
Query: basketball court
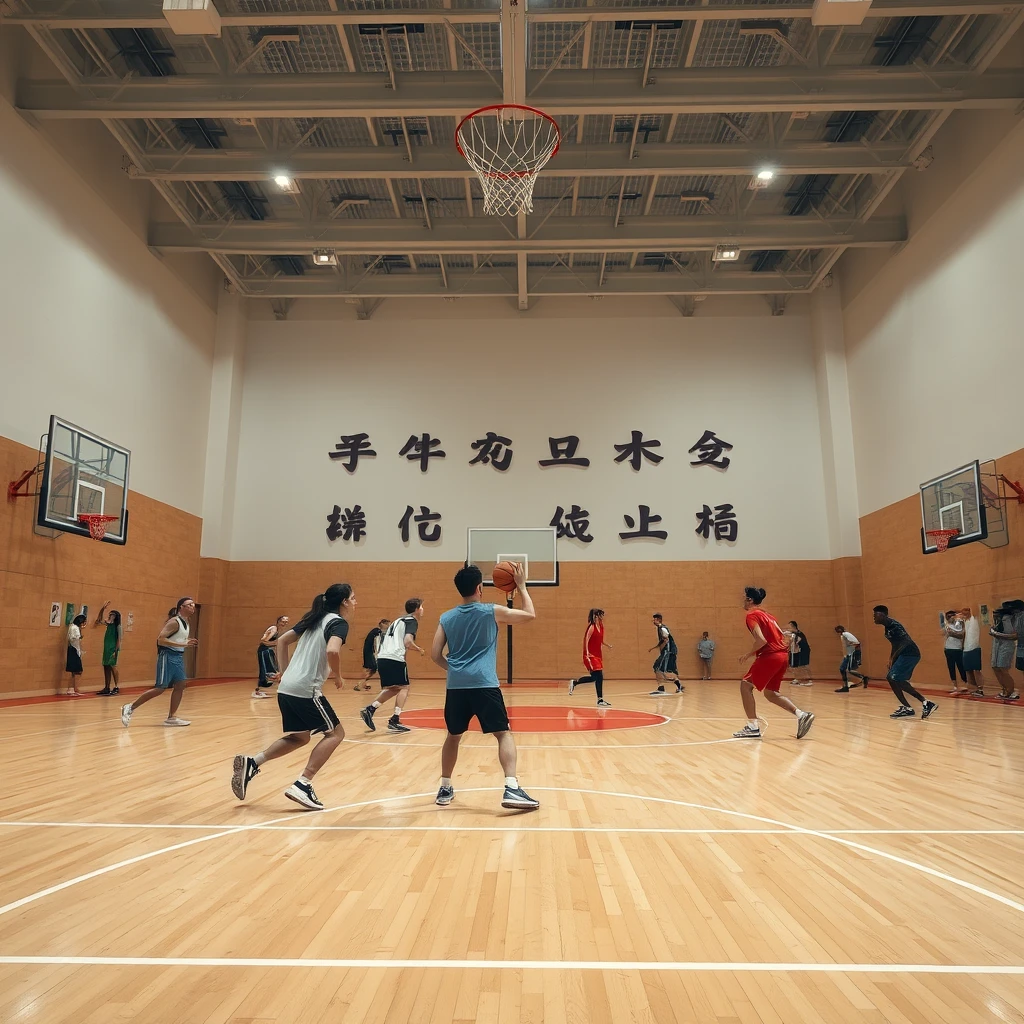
(666, 302)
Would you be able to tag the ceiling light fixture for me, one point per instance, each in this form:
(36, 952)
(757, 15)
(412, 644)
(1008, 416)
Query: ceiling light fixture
(325, 258)
(286, 183)
(726, 254)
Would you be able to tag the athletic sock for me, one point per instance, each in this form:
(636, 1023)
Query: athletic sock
(397, 712)
(446, 782)
(259, 759)
(375, 705)
(754, 723)
(511, 782)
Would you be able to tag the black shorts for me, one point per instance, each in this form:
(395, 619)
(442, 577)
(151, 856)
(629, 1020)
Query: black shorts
(306, 714)
(370, 663)
(392, 673)
(665, 663)
(485, 703)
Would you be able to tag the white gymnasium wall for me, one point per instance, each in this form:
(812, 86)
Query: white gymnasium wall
(934, 339)
(94, 327)
(750, 380)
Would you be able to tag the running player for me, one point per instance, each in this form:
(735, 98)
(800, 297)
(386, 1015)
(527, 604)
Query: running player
(266, 657)
(851, 660)
(470, 632)
(321, 633)
(593, 662)
(665, 669)
(371, 644)
(398, 638)
(771, 659)
(170, 665)
(902, 662)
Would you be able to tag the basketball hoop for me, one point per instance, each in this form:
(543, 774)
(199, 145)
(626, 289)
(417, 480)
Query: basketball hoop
(941, 537)
(507, 144)
(97, 524)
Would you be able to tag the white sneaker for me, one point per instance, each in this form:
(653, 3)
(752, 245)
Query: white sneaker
(126, 714)
(180, 722)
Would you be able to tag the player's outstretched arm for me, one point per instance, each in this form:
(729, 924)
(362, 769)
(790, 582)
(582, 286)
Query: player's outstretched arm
(514, 616)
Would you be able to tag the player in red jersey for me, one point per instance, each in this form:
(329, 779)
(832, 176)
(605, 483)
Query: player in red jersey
(593, 662)
(771, 659)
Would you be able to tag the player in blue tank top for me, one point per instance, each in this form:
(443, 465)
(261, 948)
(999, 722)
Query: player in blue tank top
(470, 633)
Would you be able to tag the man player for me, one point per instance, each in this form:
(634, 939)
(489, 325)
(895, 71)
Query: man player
(398, 638)
(371, 644)
(470, 632)
(771, 659)
(902, 662)
(665, 669)
(851, 660)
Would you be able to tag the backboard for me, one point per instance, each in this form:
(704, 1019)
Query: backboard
(953, 501)
(535, 547)
(83, 474)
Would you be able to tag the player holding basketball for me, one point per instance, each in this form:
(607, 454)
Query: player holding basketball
(470, 632)
(593, 662)
(771, 659)
(170, 665)
(321, 634)
(398, 639)
(665, 668)
(902, 662)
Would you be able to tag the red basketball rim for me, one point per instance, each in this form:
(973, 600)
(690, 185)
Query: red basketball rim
(509, 106)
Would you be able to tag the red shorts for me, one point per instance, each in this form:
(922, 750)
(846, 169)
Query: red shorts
(768, 671)
(593, 664)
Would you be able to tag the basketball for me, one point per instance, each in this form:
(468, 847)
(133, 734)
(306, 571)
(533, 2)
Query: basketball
(503, 577)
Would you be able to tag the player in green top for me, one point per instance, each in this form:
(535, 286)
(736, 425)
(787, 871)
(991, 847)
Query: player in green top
(111, 648)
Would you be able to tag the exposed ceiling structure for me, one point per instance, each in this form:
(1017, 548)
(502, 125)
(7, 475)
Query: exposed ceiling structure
(667, 109)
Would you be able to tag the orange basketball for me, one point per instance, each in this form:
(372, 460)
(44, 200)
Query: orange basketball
(503, 577)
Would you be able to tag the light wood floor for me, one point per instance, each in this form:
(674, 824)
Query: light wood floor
(869, 873)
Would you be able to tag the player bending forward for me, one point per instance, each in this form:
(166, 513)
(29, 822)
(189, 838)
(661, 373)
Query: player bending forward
(321, 634)
(771, 659)
(470, 632)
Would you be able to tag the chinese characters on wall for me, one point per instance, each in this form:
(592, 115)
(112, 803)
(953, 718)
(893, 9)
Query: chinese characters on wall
(718, 521)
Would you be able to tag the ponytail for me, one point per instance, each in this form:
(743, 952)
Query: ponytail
(755, 594)
(329, 601)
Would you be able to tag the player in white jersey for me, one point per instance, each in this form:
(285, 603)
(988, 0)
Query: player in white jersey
(398, 639)
(851, 660)
(321, 634)
(170, 665)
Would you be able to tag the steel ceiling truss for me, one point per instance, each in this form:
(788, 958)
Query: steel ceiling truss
(666, 111)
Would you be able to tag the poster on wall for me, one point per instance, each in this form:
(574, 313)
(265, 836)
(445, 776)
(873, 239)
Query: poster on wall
(55, 613)
(69, 613)
(130, 622)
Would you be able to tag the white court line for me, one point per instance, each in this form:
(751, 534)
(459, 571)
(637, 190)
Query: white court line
(850, 844)
(551, 746)
(525, 829)
(516, 965)
(60, 886)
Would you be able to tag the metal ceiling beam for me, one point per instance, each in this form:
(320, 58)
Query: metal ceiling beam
(461, 235)
(441, 93)
(572, 160)
(501, 282)
(81, 14)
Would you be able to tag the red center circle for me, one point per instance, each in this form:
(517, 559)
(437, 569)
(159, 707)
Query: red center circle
(547, 719)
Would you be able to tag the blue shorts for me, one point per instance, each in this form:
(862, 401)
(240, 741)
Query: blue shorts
(903, 668)
(170, 668)
(972, 660)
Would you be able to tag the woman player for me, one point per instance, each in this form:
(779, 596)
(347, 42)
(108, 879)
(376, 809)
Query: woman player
(771, 659)
(73, 662)
(371, 645)
(321, 633)
(593, 642)
(799, 656)
(266, 656)
(112, 636)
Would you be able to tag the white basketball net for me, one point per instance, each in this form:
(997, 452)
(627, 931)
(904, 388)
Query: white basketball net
(507, 147)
